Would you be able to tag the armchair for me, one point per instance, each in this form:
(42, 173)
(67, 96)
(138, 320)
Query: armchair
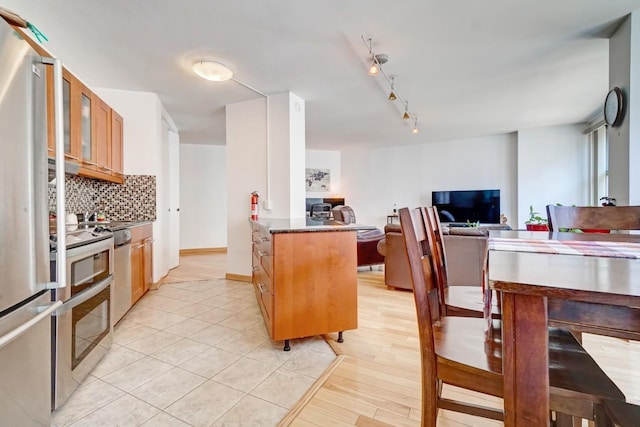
(367, 240)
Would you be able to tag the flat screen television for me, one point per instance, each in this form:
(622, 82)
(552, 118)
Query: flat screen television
(467, 205)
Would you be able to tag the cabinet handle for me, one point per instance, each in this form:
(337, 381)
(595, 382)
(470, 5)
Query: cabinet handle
(139, 246)
(261, 286)
(264, 239)
(68, 156)
(89, 163)
(255, 268)
(104, 168)
(261, 253)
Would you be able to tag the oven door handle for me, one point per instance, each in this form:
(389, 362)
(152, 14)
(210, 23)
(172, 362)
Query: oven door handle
(84, 296)
(12, 335)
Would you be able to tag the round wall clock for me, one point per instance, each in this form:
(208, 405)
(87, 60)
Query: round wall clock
(614, 107)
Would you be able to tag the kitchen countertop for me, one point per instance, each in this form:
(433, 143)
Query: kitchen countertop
(304, 225)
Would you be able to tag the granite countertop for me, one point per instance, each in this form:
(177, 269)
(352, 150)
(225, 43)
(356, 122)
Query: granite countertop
(304, 225)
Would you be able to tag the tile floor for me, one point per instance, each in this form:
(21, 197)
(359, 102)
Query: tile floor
(195, 354)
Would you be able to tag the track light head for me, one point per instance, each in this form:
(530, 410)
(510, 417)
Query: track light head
(392, 94)
(373, 69)
(406, 115)
(415, 127)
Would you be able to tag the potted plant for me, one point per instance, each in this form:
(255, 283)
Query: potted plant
(536, 222)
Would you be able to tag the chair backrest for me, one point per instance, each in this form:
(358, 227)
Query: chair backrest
(320, 210)
(437, 252)
(425, 292)
(344, 214)
(593, 218)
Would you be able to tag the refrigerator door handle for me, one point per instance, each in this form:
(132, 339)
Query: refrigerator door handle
(12, 335)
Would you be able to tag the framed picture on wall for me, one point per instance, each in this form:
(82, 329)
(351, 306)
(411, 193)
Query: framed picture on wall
(318, 180)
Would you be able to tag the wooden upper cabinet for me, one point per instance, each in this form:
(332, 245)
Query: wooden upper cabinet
(93, 132)
(101, 122)
(117, 133)
(71, 143)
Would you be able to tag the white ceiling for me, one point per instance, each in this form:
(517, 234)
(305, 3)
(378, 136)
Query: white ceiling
(467, 67)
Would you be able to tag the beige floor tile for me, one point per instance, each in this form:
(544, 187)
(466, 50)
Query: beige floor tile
(309, 363)
(245, 374)
(125, 411)
(154, 342)
(242, 321)
(117, 357)
(214, 315)
(239, 303)
(204, 405)
(169, 387)
(252, 411)
(258, 328)
(128, 331)
(283, 388)
(217, 301)
(180, 351)
(85, 400)
(188, 327)
(213, 335)
(242, 342)
(270, 352)
(211, 362)
(162, 320)
(164, 420)
(194, 310)
(137, 373)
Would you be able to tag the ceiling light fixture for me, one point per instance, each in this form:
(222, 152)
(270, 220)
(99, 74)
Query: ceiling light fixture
(212, 70)
(406, 114)
(392, 94)
(376, 68)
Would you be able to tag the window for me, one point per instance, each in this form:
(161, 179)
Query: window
(599, 164)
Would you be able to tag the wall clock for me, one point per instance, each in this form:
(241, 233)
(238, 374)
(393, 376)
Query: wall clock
(614, 107)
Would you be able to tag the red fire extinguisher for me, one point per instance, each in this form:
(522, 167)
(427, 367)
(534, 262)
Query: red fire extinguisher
(254, 206)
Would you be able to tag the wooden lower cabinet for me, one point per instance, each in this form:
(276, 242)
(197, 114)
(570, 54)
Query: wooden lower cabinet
(141, 261)
(305, 282)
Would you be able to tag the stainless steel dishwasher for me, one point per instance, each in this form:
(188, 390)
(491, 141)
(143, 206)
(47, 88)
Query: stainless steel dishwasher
(122, 273)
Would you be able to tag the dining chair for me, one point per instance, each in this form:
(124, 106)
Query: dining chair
(459, 352)
(459, 300)
(591, 218)
(575, 314)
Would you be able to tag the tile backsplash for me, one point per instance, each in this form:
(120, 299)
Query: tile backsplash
(133, 200)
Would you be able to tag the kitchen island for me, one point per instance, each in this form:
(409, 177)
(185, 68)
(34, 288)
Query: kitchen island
(304, 273)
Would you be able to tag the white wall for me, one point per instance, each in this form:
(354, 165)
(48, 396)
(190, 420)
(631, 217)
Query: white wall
(320, 159)
(373, 180)
(203, 196)
(553, 167)
(142, 154)
(624, 140)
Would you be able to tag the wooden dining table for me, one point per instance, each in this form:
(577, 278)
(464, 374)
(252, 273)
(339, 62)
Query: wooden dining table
(597, 275)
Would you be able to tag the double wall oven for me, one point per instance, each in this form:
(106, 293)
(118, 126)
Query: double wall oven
(82, 326)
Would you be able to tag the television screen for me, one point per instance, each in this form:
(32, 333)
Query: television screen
(468, 205)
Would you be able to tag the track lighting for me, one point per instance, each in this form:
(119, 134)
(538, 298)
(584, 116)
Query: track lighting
(406, 115)
(376, 68)
(392, 94)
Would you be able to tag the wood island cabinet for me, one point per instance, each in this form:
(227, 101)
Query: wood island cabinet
(141, 261)
(305, 281)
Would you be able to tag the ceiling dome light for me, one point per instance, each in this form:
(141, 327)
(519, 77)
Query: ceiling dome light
(211, 70)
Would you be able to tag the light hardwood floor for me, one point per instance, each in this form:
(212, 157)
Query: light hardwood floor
(377, 381)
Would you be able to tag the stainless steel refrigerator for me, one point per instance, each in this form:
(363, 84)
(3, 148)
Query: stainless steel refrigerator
(25, 298)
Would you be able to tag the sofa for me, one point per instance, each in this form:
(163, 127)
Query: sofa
(367, 240)
(464, 247)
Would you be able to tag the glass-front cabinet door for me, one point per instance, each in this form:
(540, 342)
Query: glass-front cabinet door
(86, 140)
(71, 150)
